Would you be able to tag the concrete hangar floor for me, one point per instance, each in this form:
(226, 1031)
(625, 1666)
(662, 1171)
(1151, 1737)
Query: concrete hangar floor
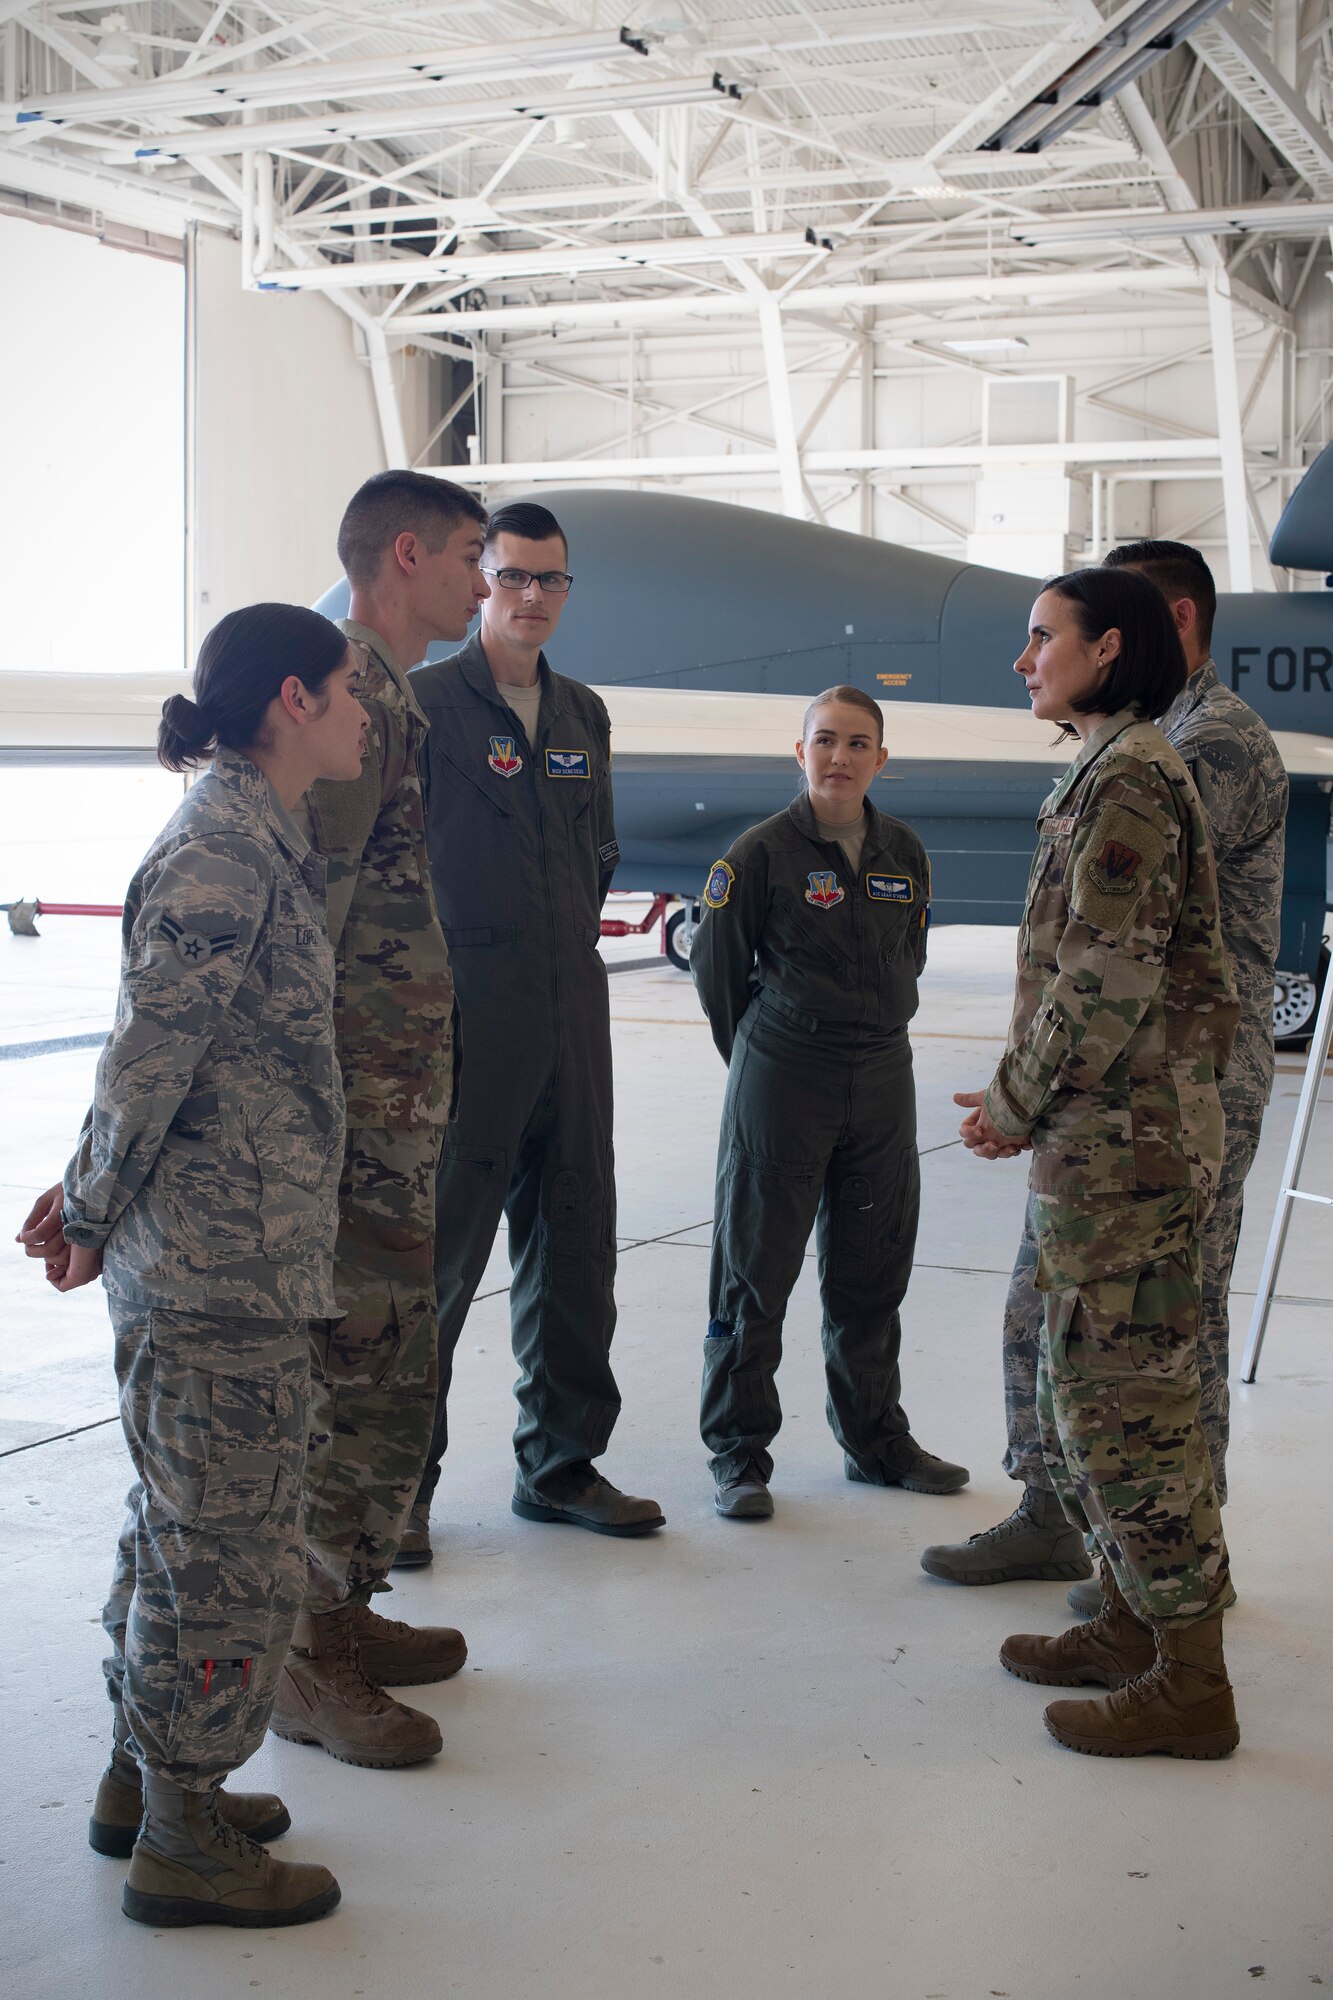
(739, 1759)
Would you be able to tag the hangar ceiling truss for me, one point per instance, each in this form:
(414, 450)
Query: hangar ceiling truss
(469, 176)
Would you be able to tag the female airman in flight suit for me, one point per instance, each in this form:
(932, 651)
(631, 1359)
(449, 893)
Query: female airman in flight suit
(204, 1192)
(806, 960)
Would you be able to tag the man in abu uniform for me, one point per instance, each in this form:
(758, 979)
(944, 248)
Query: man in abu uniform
(522, 845)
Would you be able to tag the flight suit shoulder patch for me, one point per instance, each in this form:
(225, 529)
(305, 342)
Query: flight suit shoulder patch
(1122, 855)
(568, 764)
(883, 886)
(718, 887)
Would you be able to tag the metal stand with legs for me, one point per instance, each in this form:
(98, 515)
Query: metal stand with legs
(1291, 1173)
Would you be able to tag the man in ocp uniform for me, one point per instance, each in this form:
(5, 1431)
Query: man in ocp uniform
(411, 547)
(1238, 774)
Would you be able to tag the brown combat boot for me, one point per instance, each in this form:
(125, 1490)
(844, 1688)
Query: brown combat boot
(1182, 1707)
(118, 1810)
(325, 1698)
(118, 1807)
(1108, 1651)
(396, 1655)
(190, 1867)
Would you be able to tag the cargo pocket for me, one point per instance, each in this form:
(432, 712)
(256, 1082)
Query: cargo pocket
(221, 1434)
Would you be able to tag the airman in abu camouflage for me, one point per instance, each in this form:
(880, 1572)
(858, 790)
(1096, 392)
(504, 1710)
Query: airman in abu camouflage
(1125, 1013)
(410, 546)
(1230, 754)
(204, 1191)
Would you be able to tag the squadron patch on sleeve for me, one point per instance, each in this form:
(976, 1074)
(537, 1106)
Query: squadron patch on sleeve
(717, 889)
(567, 764)
(1115, 868)
(882, 888)
(196, 947)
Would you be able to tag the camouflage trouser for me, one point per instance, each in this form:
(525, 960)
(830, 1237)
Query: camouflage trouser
(1023, 1313)
(374, 1372)
(209, 1570)
(1118, 1407)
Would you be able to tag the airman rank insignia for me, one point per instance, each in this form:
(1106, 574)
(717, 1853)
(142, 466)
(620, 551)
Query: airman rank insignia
(883, 888)
(824, 891)
(504, 759)
(567, 764)
(717, 889)
(193, 947)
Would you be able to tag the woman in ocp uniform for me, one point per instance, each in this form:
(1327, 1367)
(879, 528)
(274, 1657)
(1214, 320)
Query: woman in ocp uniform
(1124, 1018)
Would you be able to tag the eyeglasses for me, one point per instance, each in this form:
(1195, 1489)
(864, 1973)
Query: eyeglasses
(555, 581)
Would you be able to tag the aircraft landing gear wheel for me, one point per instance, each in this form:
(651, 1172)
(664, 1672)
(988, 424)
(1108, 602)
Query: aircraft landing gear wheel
(680, 936)
(1295, 1004)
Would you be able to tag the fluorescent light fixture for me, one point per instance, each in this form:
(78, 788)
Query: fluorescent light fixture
(1135, 38)
(1256, 218)
(932, 191)
(993, 343)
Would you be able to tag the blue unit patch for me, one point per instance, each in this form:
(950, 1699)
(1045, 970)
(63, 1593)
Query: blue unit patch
(717, 888)
(567, 764)
(825, 890)
(889, 888)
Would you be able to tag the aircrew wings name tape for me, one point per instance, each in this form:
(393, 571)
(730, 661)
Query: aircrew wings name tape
(568, 764)
(882, 888)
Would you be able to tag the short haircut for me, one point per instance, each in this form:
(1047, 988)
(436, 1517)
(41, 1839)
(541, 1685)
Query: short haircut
(529, 522)
(854, 697)
(1178, 571)
(1149, 670)
(400, 503)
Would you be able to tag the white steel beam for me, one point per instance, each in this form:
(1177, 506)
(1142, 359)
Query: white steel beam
(780, 410)
(1226, 385)
(1237, 61)
(905, 292)
(483, 267)
(902, 458)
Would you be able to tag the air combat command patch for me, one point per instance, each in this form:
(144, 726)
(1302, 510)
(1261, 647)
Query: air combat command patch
(717, 889)
(1122, 857)
(825, 891)
(504, 758)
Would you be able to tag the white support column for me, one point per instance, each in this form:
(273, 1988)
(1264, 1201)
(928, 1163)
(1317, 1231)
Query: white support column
(1227, 391)
(780, 406)
(867, 430)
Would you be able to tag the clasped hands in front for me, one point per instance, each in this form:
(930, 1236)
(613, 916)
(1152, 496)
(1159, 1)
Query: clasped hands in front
(980, 1136)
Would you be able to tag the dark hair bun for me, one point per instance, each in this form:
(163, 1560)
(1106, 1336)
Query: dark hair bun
(184, 733)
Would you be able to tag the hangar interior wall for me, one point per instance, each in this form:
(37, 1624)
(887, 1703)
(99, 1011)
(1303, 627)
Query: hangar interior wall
(284, 427)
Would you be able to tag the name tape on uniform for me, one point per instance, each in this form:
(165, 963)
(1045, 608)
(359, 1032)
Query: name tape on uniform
(1056, 829)
(883, 888)
(568, 764)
